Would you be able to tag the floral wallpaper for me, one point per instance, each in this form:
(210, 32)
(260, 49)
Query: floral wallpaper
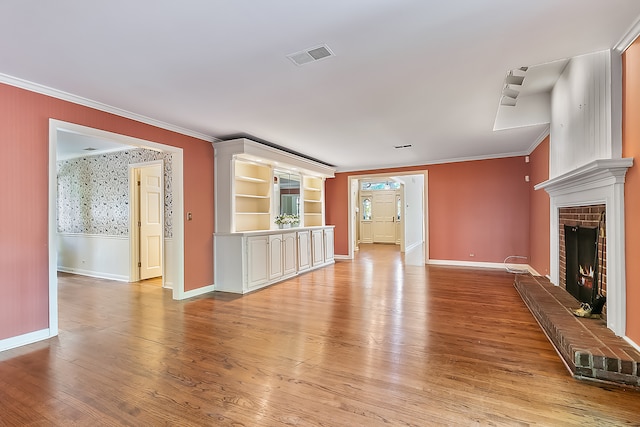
(93, 192)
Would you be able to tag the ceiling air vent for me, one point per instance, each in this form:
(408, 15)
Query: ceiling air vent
(310, 55)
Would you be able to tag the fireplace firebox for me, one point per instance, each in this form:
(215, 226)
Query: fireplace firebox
(581, 252)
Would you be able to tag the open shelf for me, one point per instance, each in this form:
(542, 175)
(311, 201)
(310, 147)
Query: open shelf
(312, 201)
(252, 201)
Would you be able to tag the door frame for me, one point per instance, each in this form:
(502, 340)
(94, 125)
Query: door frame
(177, 254)
(353, 204)
(134, 217)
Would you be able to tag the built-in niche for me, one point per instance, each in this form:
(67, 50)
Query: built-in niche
(287, 191)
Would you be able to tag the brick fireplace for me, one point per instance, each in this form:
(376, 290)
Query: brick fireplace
(595, 186)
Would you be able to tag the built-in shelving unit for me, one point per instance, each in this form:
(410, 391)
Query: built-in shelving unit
(252, 188)
(313, 209)
(254, 184)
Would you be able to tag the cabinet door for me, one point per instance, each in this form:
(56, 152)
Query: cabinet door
(328, 244)
(276, 262)
(304, 248)
(257, 260)
(317, 247)
(289, 254)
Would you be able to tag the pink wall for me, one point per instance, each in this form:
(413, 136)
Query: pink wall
(479, 207)
(24, 138)
(631, 148)
(539, 232)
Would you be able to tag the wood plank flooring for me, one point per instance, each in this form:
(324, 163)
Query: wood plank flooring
(368, 342)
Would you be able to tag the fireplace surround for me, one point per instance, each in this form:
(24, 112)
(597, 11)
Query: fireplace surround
(598, 182)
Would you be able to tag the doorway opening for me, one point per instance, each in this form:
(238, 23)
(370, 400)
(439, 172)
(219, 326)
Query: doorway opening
(172, 257)
(390, 208)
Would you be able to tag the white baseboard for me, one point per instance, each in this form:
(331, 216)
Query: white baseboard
(631, 343)
(197, 292)
(413, 246)
(342, 257)
(96, 274)
(488, 265)
(20, 340)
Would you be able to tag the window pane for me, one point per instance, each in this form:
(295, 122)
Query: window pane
(382, 185)
(366, 209)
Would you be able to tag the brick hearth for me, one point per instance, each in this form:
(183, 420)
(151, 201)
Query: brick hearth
(589, 349)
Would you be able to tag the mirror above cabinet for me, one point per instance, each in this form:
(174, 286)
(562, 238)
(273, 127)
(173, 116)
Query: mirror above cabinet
(287, 192)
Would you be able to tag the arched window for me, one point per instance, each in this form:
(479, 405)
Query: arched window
(366, 209)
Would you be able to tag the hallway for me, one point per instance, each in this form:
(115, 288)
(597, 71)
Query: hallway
(365, 342)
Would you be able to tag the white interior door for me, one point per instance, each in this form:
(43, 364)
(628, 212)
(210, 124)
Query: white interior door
(151, 229)
(383, 216)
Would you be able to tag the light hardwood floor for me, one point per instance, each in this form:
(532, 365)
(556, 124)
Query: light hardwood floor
(368, 342)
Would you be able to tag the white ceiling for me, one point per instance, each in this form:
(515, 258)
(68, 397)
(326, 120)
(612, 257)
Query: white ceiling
(71, 145)
(424, 72)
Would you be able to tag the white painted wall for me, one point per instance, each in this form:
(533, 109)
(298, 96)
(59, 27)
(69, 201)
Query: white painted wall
(413, 210)
(586, 112)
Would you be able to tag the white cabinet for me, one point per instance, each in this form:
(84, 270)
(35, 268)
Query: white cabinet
(304, 250)
(282, 256)
(328, 245)
(289, 241)
(257, 261)
(245, 262)
(276, 260)
(317, 247)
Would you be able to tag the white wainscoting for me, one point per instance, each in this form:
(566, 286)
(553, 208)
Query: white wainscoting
(93, 255)
(169, 271)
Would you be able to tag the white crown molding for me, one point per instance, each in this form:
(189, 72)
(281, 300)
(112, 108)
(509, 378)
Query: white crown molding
(65, 96)
(545, 133)
(435, 162)
(629, 37)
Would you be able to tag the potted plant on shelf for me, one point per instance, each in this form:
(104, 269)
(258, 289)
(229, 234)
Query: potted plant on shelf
(287, 220)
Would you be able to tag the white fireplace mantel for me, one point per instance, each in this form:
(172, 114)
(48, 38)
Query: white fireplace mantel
(598, 182)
